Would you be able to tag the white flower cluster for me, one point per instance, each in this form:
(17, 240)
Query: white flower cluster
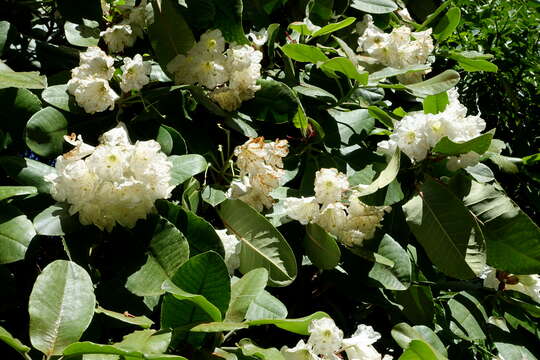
(114, 182)
(124, 34)
(526, 284)
(326, 341)
(231, 245)
(417, 132)
(231, 74)
(89, 82)
(399, 49)
(261, 167)
(337, 209)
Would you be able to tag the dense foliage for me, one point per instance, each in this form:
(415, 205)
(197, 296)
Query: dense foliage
(269, 179)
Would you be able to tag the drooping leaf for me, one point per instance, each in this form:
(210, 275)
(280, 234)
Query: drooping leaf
(16, 233)
(126, 317)
(375, 6)
(262, 245)
(447, 231)
(512, 238)
(321, 247)
(45, 132)
(397, 277)
(168, 250)
(61, 306)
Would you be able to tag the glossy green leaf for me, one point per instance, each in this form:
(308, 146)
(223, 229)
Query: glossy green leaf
(243, 292)
(512, 238)
(346, 67)
(385, 177)
(403, 334)
(374, 6)
(468, 317)
(250, 349)
(434, 104)
(199, 300)
(304, 53)
(330, 28)
(4, 32)
(321, 247)
(418, 304)
(266, 306)
(228, 19)
(61, 306)
(14, 343)
(58, 96)
(25, 80)
(168, 250)
(126, 317)
(391, 72)
(420, 350)
(447, 25)
(186, 166)
(382, 116)
(446, 230)
(213, 196)
(479, 145)
(84, 34)
(398, 276)
(27, 172)
(55, 220)
(7, 192)
(45, 132)
(262, 245)
(275, 102)
(16, 233)
(473, 61)
(435, 85)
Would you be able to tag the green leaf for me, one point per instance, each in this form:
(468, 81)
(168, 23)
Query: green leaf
(27, 172)
(479, 145)
(274, 100)
(512, 238)
(304, 53)
(243, 292)
(398, 276)
(25, 80)
(169, 34)
(374, 6)
(382, 116)
(125, 317)
(261, 244)
(300, 120)
(55, 220)
(473, 62)
(353, 122)
(297, 326)
(321, 247)
(420, 350)
(205, 274)
(266, 306)
(213, 196)
(16, 233)
(45, 132)
(446, 230)
(434, 104)
(330, 28)
(85, 34)
(199, 300)
(273, 32)
(61, 306)
(4, 32)
(200, 234)
(480, 172)
(7, 192)
(435, 85)
(168, 250)
(403, 334)
(344, 66)
(58, 96)
(228, 19)
(385, 177)
(391, 72)
(447, 25)
(186, 166)
(8, 339)
(468, 317)
(171, 141)
(250, 349)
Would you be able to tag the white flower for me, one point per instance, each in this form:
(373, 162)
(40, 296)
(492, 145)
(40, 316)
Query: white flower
(258, 38)
(212, 42)
(462, 161)
(526, 284)
(137, 19)
(118, 37)
(231, 245)
(359, 345)
(134, 73)
(325, 337)
(301, 351)
(93, 94)
(410, 136)
(332, 218)
(304, 210)
(115, 182)
(94, 63)
(228, 99)
(182, 67)
(330, 185)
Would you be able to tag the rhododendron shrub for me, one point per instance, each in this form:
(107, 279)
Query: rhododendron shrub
(278, 180)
